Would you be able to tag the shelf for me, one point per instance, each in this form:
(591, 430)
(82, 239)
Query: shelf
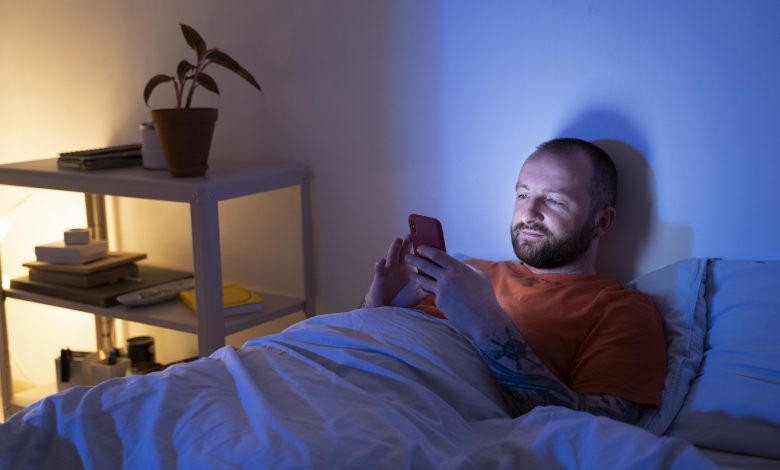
(171, 314)
(31, 395)
(226, 179)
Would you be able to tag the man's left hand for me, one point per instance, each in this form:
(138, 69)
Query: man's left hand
(464, 294)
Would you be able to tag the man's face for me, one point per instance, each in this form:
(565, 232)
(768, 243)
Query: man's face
(552, 224)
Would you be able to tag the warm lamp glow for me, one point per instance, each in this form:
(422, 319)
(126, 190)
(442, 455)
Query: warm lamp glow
(22, 227)
(5, 226)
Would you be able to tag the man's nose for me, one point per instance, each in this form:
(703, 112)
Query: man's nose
(529, 211)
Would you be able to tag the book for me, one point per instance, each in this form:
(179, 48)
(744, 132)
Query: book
(111, 149)
(113, 258)
(59, 252)
(236, 300)
(105, 295)
(100, 163)
(92, 279)
(103, 157)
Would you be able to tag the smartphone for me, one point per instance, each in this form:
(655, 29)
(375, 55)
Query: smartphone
(426, 231)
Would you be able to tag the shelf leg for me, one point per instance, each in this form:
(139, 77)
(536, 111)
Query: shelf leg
(104, 329)
(308, 248)
(96, 215)
(5, 362)
(208, 274)
(95, 205)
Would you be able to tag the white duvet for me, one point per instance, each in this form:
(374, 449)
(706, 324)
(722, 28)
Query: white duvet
(375, 388)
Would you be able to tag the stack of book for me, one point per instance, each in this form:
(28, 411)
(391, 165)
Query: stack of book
(100, 294)
(81, 261)
(103, 157)
(112, 267)
(82, 269)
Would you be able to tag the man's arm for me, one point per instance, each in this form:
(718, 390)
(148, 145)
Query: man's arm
(466, 297)
(532, 384)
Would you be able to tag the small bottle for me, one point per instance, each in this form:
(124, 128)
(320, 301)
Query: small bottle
(151, 150)
(112, 356)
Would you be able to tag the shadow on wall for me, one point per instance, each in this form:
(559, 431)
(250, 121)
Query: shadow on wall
(621, 248)
(639, 241)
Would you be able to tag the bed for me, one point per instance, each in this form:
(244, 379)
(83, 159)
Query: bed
(393, 388)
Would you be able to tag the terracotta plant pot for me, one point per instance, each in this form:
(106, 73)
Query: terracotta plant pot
(185, 136)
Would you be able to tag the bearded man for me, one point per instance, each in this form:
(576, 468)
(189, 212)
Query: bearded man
(552, 330)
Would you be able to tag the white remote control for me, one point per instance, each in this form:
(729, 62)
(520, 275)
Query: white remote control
(152, 295)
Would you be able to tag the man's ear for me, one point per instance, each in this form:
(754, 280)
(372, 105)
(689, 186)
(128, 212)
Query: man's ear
(605, 218)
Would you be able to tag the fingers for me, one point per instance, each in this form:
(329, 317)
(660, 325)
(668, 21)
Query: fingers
(407, 247)
(426, 283)
(379, 266)
(437, 256)
(394, 252)
(424, 265)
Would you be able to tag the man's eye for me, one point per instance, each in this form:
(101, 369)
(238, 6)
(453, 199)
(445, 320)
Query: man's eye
(522, 196)
(554, 202)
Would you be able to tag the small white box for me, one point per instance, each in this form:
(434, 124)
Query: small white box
(102, 370)
(80, 370)
(77, 236)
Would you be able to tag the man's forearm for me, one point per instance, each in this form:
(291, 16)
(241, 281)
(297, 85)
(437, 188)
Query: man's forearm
(528, 380)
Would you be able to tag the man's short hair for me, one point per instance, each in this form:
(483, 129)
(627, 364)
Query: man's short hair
(603, 184)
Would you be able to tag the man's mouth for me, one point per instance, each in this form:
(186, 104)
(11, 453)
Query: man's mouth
(531, 232)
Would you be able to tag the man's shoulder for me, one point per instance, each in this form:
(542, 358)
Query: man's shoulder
(623, 298)
(610, 292)
(618, 288)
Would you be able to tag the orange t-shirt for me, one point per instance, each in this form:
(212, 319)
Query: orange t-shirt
(592, 333)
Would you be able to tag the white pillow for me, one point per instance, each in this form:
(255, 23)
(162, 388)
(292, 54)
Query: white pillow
(678, 292)
(734, 403)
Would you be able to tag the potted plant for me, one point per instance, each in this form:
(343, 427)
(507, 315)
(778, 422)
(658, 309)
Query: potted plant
(185, 132)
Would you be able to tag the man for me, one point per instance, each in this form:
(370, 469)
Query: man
(551, 329)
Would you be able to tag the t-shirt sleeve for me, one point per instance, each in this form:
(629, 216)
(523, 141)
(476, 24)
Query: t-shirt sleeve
(624, 354)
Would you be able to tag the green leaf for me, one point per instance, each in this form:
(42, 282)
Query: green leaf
(220, 58)
(182, 69)
(208, 83)
(152, 84)
(194, 40)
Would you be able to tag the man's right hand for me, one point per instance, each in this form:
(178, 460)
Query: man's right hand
(392, 279)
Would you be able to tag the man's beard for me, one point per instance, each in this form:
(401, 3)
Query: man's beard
(553, 252)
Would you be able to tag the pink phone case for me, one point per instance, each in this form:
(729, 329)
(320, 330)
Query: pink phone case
(426, 231)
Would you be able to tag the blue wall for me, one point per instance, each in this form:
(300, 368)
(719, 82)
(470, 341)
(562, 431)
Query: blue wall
(429, 106)
(689, 90)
